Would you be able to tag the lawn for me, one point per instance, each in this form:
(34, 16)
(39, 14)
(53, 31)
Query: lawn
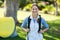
(53, 21)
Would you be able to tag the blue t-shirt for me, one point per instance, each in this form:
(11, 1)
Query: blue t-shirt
(43, 22)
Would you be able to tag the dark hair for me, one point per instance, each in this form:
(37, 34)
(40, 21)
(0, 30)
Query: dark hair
(34, 4)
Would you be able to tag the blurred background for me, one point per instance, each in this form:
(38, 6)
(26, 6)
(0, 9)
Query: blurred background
(20, 9)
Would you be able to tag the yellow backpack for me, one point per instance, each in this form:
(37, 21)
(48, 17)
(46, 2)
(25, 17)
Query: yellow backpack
(7, 26)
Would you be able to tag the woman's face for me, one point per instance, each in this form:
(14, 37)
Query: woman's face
(35, 10)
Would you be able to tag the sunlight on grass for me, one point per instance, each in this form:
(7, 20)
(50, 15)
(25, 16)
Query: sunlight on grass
(48, 17)
(20, 32)
(46, 35)
(23, 14)
(1, 12)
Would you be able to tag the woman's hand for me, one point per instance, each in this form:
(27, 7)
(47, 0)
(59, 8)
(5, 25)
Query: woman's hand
(41, 31)
(27, 30)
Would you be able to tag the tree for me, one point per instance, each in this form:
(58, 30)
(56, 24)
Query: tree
(56, 5)
(11, 7)
(22, 3)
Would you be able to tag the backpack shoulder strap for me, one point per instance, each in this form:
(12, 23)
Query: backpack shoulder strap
(29, 22)
(39, 21)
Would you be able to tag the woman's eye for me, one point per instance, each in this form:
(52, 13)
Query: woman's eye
(35, 9)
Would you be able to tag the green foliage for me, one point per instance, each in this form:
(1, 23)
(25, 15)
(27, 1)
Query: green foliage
(27, 7)
(2, 5)
(58, 1)
(22, 3)
(41, 5)
(2, 0)
(49, 8)
(58, 12)
(28, 1)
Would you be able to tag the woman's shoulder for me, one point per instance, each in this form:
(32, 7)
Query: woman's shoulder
(42, 19)
(26, 19)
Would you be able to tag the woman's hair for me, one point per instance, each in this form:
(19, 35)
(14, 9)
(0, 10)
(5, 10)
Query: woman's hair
(34, 4)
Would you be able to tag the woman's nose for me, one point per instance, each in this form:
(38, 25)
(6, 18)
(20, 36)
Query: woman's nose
(34, 10)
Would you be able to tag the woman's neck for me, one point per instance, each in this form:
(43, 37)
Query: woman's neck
(34, 16)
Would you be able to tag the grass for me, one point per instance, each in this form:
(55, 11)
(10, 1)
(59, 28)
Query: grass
(52, 34)
(1, 12)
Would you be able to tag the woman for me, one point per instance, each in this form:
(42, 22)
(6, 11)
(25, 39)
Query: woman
(33, 33)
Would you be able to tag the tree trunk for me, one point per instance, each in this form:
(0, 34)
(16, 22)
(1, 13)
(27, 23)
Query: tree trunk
(56, 5)
(11, 7)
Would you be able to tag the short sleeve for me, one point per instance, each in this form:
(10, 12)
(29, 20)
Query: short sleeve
(44, 23)
(24, 24)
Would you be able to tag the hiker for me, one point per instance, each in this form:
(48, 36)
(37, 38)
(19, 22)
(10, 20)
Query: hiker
(33, 23)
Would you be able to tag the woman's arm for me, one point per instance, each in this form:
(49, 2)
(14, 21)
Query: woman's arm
(44, 30)
(24, 25)
(45, 25)
(26, 30)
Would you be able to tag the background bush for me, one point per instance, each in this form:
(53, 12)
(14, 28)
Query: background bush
(27, 7)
